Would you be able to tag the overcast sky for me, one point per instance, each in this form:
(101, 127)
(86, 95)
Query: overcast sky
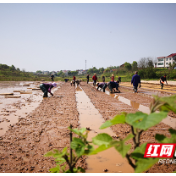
(62, 36)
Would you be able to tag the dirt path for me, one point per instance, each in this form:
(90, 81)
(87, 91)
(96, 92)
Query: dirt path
(109, 107)
(24, 144)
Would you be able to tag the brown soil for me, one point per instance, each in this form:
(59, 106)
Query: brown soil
(109, 107)
(24, 144)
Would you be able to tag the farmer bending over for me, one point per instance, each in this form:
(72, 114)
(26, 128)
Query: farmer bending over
(47, 88)
(162, 79)
(102, 85)
(112, 85)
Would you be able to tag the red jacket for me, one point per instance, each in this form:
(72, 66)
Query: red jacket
(112, 78)
(94, 78)
(74, 78)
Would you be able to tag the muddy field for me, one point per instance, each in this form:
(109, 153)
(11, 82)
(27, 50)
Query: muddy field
(25, 140)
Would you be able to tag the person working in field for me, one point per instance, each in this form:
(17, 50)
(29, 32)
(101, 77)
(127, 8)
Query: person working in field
(135, 81)
(112, 85)
(102, 85)
(87, 78)
(52, 77)
(112, 78)
(46, 87)
(103, 78)
(162, 79)
(119, 79)
(94, 78)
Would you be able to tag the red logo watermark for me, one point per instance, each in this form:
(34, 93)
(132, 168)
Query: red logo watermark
(154, 150)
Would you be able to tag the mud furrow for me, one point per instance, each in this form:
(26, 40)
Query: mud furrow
(109, 107)
(24, 144)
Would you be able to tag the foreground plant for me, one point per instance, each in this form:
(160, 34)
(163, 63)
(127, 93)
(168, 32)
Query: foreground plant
(139, 122)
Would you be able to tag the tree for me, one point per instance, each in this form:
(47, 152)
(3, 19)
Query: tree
(134, 65)
(101, 70)
(127, 65)
(39, 71)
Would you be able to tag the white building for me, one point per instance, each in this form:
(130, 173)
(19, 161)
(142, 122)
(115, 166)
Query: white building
(46, 72)
(165, 60)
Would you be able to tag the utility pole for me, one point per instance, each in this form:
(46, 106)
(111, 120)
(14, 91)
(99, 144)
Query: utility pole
(85, 64)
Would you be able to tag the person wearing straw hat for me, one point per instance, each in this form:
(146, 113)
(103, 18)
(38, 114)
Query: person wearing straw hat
(46, 87)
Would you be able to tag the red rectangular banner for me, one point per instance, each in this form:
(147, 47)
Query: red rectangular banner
(164, 150)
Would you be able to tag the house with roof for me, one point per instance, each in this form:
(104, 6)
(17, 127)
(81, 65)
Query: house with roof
(164, 61)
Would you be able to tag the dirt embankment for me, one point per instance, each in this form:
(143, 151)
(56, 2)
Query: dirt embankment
(24, 144)
(109, 107)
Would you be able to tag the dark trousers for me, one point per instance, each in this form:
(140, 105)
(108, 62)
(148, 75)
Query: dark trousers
(161, 85)
(44, 90)
(94, 82)
(135, 88)
(87, 81)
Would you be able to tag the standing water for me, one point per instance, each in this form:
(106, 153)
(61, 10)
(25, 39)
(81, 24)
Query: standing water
(90, 117)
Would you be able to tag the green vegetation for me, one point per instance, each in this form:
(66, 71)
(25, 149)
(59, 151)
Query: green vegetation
(139, 122)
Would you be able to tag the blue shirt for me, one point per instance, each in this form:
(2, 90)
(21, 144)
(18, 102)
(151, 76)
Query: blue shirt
(135, 80)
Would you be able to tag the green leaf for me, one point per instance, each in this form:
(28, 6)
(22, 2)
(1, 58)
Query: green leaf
(145, 164)
(116, 120)
(48, 154)
(101, 139)
(128, 137)
(63, 168)
(79, 169)
(171, 100)
(163, 139)
(122, 148)
(144, 121)
(134, 118)
(80, 150)
(55, 169)
(60, 159)
(139, 152)
(100, 149)
(77, 131)
(89, 149)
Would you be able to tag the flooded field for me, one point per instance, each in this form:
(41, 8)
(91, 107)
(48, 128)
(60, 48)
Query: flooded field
(30, 126)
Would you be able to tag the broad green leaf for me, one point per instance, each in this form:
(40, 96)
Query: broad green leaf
(89, 149)
(101, 139)
(77, 131)
(139, 152)
(163, 139)
(60, 159)
(79, 169)
(171, 100)
(55, 169)
(63, 167)
(135, 118)
(82, 130)
(145, 164)
(128, 137)
(100, 149)
(80, 150)
(48, 154)
(78, 141)
(145, 121)
(61, 162)
(122, 148)
(116, 120)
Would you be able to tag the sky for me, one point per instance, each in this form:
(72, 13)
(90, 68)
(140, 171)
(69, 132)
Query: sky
(65, 36)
